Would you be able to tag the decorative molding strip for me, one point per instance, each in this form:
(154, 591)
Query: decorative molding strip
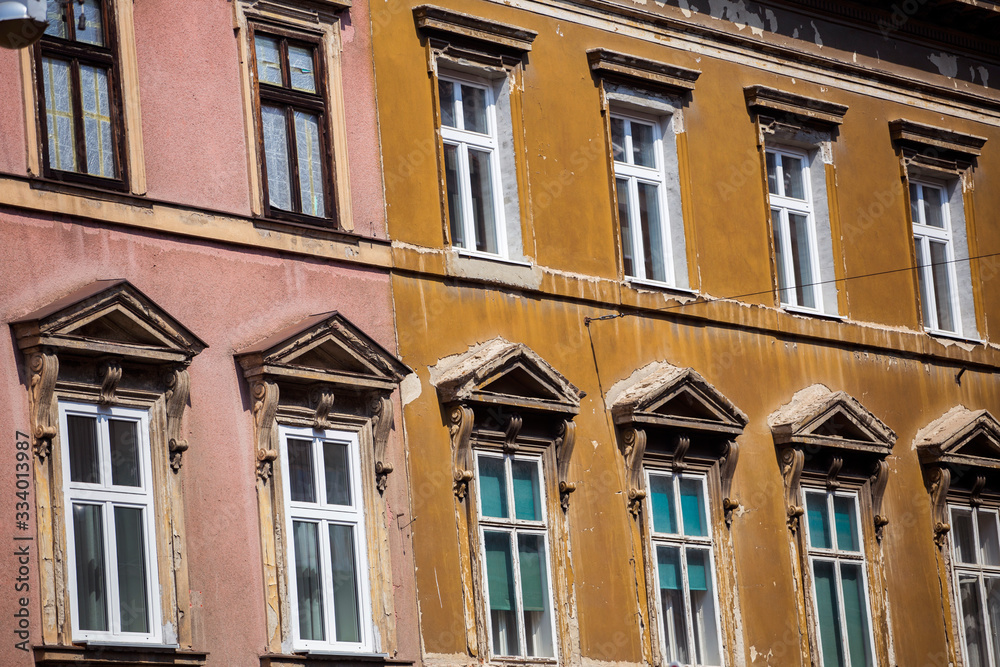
(930, 137)
(642, 72)
(564, 450)
(761, 99)
(178, 390)
(438, 19)
(380, 409)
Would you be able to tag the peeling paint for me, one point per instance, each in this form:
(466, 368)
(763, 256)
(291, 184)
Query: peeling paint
(816, 37)
(737, 14)
(946, 63)
(410, 388)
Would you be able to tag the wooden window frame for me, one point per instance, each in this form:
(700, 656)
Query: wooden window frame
(77, 53)
(291, 100)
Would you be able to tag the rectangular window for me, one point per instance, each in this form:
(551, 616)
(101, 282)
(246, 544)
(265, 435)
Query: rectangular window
(975, 542)
(292, 125)
(78, 84)
(110, 537)
(472, 165)
(935, 255)
(796, 249)
(685, 568)
(840, 580)
(324, 516)
(514, 538)
(640, 185)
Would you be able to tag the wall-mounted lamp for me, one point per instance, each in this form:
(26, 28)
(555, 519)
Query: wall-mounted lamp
(22, 22)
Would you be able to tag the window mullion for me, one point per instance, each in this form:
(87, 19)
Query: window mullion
(76, 103)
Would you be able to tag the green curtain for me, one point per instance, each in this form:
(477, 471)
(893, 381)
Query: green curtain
(691, 508)
(661, 498)
(856, 611)
(499, 571)
(829, 616)
(530, 554)
(524, 477)
(697, 562)
(492, 491)
(670, 569)
(819, 521)
(843, 521)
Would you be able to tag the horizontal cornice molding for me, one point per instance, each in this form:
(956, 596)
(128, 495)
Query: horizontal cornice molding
(761, 99)
(928, 136)
(641, 71)
(457, 24)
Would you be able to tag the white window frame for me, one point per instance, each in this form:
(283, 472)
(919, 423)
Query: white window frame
(109, 497)
(463, 140)
(683, 542)
(979, 571)
(923, 234)
(785, 205)
(515, 527)
(655, 176)
(836, 556)
(320, 512)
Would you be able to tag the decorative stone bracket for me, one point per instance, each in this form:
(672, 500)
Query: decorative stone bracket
(461, 421)
(380, 408)
(265, 407)
(565, 442)
(727, 470)
(109, 373)
(178, 390)
(634, 441)
(44, 368)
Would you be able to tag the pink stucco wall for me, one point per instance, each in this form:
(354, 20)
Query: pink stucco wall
(230, 298)
(13, 158)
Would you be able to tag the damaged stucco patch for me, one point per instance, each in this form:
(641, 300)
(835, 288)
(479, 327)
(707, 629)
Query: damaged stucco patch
(946, 63)
(738, 14)
(410, 389)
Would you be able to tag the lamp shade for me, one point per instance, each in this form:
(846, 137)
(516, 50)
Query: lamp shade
(22, 22)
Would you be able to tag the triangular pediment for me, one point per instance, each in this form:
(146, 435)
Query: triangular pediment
(324, 348)
(963, 437)
(109, 317)
(665, 395)
(505, 373)
(821, 417)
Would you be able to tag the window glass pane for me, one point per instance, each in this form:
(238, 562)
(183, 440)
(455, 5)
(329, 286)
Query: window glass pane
(643, 144)
(844, 520)
(130, 548)
(338, 479)
(493, 487)
(818, 517)
(474, 109)
(500, 584)
(799, 235)
(772, 173)
(942, 286)
(621, 186)
(84, 465)
(300, 64)
(481, 179)
(308, 580)
(89, 22)
(59, 114)
(791, 168)
(703, 615)
(301, 479)
(993, 612)
(535, 595)
(962, 536)
(268, 59)
(693, 508)
(780, 260)
(345, 584)
(307, 142)
(827, 607)
(672, 604)
(972, 621)
(618, 139)
(91, 582)
(856, 613)
(279, 176)
(527, 499)
(989, 547)
(933, 200)
(56, 15)
(446, 93)
(925, 296)
(97, 121)
(454, 196)
(652, 232)
(915, 203)
(661, 499)
(124, 453)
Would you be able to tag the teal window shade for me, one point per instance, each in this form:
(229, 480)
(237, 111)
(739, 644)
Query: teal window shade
(818, 517)
(693, 507)
(856, 613)
(843, 519)
(499, 571)
(661, 499)
(699, 570)
(524, 476)
(493, 487)
(531, 554)
(669, 566)
(827, 605)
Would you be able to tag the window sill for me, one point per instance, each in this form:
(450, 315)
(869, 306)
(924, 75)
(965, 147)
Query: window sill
(951, 336)
(657, 285)
(93, 655)
(320, 659)
(73, 178)
(808, 312)
(490, 257)
(523, 661)
(92, 191)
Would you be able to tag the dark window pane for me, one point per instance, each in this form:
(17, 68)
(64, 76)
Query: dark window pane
(493, 487)
(847, 527)
(693, 508)
(89, 22)
(527, 499)
(963, 537)
(474, 109)
(84, 463)
(481, 180)
(455, 217)
(621, 186)
(532, 558)
(799, 233)
(915, 203)
(300, 62)
(91, 579)
(124, 453)
(279, 176)
(345, 584)
(989, 544)
(446, 93)
(942, 286)
(791, 168)
(672, 604)
(703, 615)
(338, 479)
(132, 592)
(661, 498)
(933, 204)
(972, 621)
(828, 608)
(772, 173)
(307, 142)
(268, 54)
(643, 144)
(308, 580)
(301, 476)
(618, 139)
(500, 584)
(780, 258)
(925, 284)
(652, 230)
(856, 613)
(818, 516)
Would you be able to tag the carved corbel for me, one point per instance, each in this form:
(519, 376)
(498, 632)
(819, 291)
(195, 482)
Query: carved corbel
(109, 374)
(380, 408)
(564, 450)
(178, 390)
(510, 433)
(879, 479)
(727, 469)
(635, 448)
(832, 483)
(462, 418)
(682, 444)
(321, 400)
(265, 407)
(976, 494)
(792, 460)
(940, 485)
(44, 369)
